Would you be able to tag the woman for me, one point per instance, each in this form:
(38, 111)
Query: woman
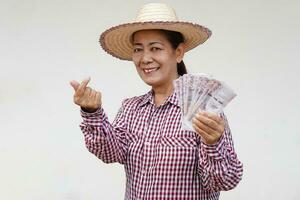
(161, 160)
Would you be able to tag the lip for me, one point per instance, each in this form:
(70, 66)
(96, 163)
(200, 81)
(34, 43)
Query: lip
(150, 70)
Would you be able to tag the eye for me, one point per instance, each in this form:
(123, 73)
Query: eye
(136, 50)
(155, 49)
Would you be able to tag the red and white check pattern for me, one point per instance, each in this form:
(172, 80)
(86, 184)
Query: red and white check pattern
(161, 160)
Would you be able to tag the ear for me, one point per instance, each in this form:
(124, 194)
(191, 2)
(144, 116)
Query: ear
(180, 52)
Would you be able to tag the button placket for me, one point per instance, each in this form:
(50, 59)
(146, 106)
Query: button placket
(148, 151)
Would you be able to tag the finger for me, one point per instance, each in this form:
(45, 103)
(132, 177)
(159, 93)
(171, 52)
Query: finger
(83, 99)
(218, 119)
(212, 116)
(93, 95)
(98, 98)
(207, 121)
(88, 91)
(87, 95)
(201, 132)
(204, 127)
(74, 84)
(91, 102)
(82, 86)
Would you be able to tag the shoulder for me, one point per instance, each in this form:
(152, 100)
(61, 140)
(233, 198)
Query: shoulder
(136, 101)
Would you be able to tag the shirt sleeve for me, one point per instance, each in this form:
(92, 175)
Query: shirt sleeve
(106, 141)
(218, 164)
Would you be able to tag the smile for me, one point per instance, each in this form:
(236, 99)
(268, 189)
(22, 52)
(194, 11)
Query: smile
(147, 71)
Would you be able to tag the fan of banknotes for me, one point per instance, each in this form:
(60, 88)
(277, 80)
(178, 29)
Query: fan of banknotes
(198, 92)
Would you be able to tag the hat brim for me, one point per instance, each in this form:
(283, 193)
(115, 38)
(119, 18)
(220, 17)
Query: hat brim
(117, 40)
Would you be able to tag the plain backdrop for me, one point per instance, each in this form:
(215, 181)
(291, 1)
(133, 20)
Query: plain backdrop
(44, 44)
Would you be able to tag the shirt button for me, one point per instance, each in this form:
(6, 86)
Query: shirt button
(147, 143)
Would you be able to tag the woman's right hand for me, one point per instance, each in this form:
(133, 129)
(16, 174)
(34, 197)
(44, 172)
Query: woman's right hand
(85, 97)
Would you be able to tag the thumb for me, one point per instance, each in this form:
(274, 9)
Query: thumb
(74, 84)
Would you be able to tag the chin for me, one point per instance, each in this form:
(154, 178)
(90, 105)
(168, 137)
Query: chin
(153, 83)
(150, 82)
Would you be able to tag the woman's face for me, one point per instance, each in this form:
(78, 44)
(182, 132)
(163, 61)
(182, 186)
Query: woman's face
(154, 58)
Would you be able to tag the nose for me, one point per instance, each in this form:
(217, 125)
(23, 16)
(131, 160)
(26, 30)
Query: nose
(147, 57)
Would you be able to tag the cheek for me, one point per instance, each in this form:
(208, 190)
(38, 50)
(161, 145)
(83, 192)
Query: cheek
(167, 58)
(137, 67)
(170, 65)
(135, 62)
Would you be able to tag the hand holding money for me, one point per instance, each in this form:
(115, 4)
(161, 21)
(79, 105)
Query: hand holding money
(209, 126)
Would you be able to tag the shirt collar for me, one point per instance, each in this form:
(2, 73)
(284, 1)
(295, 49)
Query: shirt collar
(148, 98)
(173, 99)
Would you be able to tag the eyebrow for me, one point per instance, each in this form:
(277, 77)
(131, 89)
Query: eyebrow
(151, 43)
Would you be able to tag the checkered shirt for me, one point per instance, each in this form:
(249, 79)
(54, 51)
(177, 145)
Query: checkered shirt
(161, 160)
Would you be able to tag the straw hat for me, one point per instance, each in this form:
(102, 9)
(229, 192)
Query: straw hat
(117, 40)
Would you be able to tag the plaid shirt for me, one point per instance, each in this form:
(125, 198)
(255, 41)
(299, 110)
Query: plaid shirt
(161, 160)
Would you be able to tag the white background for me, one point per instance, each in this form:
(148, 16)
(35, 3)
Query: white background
(44, 44)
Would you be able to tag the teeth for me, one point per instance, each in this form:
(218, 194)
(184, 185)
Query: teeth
(150, 70)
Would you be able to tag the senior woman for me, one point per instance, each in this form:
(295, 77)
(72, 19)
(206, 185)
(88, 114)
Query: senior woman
(161, 160)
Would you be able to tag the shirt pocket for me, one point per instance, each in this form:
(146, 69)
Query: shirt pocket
(178, 158)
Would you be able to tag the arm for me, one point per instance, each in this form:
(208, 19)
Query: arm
(218, 164)
(106, 141)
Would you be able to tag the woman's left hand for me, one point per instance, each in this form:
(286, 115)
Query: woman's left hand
(209, 126)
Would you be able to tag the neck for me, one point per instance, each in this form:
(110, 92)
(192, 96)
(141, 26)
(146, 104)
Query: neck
(162, 93)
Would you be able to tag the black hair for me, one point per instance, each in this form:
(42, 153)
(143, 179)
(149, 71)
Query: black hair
(175, 38)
